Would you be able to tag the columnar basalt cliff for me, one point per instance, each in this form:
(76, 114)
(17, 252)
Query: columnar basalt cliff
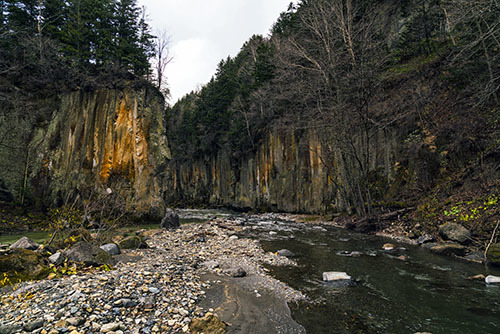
(113, 138)
(288, 172)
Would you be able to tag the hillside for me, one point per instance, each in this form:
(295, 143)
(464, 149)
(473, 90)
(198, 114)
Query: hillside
(357, 107)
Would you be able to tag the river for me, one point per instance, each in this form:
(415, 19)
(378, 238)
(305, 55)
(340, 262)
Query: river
(406, 290)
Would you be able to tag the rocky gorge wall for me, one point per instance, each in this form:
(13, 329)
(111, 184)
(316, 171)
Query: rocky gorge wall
(286, 173)
(111, 137)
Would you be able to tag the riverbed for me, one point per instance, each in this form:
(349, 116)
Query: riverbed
(405, 290)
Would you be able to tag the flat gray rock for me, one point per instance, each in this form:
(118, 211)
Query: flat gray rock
(335, 276)
(25, 243)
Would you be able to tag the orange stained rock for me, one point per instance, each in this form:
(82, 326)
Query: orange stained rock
(125, 153)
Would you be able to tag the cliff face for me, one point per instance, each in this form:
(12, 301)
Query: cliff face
(287, 173)
(114, 138)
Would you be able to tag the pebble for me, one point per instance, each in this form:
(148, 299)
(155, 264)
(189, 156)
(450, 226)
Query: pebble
(157, 294)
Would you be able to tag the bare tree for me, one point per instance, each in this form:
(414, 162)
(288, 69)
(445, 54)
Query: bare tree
(332, 66)
(163, 58)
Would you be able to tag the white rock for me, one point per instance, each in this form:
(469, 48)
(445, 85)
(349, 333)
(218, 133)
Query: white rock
(109, 327)
(335, 276)
(112, 249)
(56, 258)
(490, 279)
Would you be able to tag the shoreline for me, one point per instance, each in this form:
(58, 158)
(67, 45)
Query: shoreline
(159, 293)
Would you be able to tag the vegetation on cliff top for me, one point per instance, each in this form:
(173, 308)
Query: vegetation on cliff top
(58, 43)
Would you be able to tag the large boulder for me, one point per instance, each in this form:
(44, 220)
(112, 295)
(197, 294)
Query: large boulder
(454, 232)
(23, 264)
(493, 254)
(112, 249)
(449, 249)
(25, 243)
(133, 242)
(88, 254)
(170, 220)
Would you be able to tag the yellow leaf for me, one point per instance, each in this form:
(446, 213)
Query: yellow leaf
(51, 276)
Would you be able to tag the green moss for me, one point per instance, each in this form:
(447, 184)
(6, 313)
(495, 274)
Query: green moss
(132, 242)
(493, 255)
(22, 265)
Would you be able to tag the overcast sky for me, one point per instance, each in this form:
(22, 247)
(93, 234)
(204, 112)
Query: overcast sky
(205, 31)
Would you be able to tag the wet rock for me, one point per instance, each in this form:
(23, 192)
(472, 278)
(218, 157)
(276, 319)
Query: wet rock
(449, 249)
(478, 277)
(84, 252)
(335, 276)
(33, 325)
(493, 255)
(490, 279)
(349, 253)
(208, 324)
(9, 329)
(388, 247)
(236, 272)
(423, 239)
(25, 243)
(454, 232)
(56, 259)
(133, 242)
(286, 252)
(170, 220)
(475, 257)
(112, 249)
(366, 225)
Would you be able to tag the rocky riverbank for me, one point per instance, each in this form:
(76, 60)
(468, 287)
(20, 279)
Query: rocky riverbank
(154, 290)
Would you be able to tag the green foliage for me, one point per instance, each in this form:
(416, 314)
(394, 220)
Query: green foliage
(65, 269)
(455, 210)
(218, 117)
(68, 42)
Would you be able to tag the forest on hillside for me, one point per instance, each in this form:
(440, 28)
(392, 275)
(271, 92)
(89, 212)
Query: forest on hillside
(352, 69)
(70, 44)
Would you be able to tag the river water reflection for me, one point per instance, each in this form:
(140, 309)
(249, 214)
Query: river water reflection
(406, 290)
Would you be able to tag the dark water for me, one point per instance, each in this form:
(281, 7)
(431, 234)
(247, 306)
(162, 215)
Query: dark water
(188, 216)
(423, 293)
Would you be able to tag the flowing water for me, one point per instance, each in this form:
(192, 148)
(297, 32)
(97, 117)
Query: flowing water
(406, 290)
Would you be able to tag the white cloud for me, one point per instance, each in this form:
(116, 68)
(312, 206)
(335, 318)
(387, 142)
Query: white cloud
(205, 31)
